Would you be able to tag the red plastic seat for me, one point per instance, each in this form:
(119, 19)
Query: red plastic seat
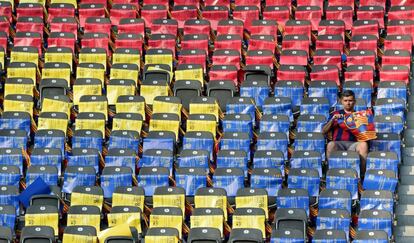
(195, 42)
(361, 57)
(328, 57)
(294, 57)
(332, 27)
(398, 42)
(334, 42)
(397, 57)
(4, 25)
(380, 3)
(151, 12)
(310, 3)
(6, 10)
(195, 3)
(224, 72)
(156, 2)
(260, 57)
(216, 2)
(365, 27)
(164, 26)
(349, 3)
(226, 57)
(401, 27)
(281, 14)
(372, 13)
(64, 24)
(359, 72)
(193, 56)
(30, 10)
(103, 2)
(135, 3)
(30, 24)
(279, 3)
(120, 11)
(401, 12)
(3, 40)
(298, 27)
(344, 13)
(364, 42)
(129, 40)
(325, 72)
(62, 39)
(62, 10)
(90, 10)
(181, 13)
(131, 25)
(310, 13)
(247, 3)
(98, 25)
(296, 42)
(230, 27)
(401, 2)
(246, 14)
(264, 27)
(291, 72)
(197, 26)
(162, 41)
(262, 42)
(214, 14)
(33, 39)
(96, 40)
(394, 73)
(229, 42)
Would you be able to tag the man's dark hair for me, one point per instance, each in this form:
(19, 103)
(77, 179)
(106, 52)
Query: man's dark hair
(347, 93)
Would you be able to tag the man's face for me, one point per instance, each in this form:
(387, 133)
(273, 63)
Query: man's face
(348, 103)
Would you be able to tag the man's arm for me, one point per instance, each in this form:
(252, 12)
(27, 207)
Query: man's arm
(329, 124)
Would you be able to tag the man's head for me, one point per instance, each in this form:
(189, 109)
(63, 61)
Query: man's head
(348, 100)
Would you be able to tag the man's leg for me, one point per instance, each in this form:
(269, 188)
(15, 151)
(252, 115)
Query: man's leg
(362, 149)
(330, 148)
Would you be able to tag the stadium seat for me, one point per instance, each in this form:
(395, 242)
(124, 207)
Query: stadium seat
(109, 182)
(306, 159)
(128, 196)
(82, 215)
(161, 233)
(45, 215)
(304, 178)
(257, 90)
(333, 198)
(208, 234)
(285, 200)
(79, 232)
(291, 219)
(379, 200)
(191, 178)
(333, 219)
(326, 235)
(243, 234)
(6, 235)
(37, 233)
(333, 177)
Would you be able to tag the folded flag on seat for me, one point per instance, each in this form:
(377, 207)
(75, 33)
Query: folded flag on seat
(36, 188)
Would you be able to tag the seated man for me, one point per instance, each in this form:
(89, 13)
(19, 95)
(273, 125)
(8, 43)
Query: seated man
(342, 139)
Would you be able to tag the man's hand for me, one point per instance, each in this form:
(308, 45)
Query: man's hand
(337, 116)
(328, 125)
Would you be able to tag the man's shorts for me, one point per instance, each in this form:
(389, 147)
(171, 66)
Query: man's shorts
(346, 145)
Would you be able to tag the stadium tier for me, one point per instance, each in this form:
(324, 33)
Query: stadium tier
(203, 121)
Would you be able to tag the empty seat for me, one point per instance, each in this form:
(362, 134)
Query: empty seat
(246, 234)
(37, 234)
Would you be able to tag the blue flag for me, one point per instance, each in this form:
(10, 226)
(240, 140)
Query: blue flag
(36, 188)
